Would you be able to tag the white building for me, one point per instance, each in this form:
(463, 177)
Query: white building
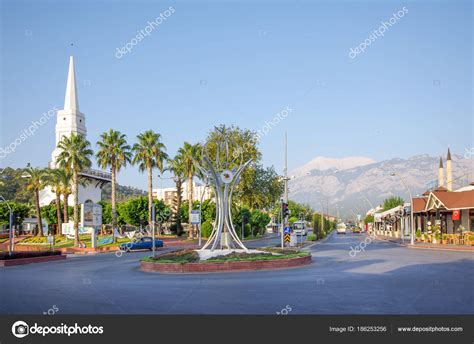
(168, 195)
(71, 120)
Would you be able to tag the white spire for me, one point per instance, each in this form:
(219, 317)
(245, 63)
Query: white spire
(70, 101)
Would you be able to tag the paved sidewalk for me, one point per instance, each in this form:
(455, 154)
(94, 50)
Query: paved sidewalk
(427, 246)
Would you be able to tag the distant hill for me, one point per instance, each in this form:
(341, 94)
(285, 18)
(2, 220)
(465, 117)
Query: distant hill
(353, 184)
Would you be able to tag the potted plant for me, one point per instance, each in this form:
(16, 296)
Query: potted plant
(471, 238)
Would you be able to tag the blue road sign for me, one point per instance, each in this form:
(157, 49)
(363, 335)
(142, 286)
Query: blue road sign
(287, 230)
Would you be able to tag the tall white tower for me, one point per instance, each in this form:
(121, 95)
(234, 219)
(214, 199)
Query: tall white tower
(449, 172)
(70, 119)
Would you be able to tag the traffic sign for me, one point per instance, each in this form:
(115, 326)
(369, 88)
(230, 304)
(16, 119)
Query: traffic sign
(287, 230)
(287, 237)
(195, 217)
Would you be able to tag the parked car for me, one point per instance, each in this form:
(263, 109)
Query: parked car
(145, 243)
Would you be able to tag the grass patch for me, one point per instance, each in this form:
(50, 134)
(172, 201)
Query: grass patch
(281, 254)
(181, 257)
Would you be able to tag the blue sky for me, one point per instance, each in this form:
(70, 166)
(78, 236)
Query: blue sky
(241, 63)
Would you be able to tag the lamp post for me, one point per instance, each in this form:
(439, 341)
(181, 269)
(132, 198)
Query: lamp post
(153, 218)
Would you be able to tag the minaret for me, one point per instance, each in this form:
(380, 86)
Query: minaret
(449, 172)
(70, 119)
(440, 173)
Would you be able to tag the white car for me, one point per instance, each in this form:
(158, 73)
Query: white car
(299, 228)
(341, 228)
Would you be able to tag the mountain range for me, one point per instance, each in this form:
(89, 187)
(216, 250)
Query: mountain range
(352, 185)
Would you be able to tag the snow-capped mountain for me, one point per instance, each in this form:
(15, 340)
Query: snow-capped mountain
(355, 184)
(323, 164)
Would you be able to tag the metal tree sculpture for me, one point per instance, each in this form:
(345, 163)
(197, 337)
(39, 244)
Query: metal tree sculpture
(223, 175)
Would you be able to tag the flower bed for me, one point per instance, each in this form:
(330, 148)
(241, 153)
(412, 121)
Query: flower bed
(188, 261)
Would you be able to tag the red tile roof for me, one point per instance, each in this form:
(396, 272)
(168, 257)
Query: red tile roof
(456, 200)
(419, 204)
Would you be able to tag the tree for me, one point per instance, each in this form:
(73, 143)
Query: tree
(13, 186)
(74, 156)
(54, 180)
(392, 202)
(135, 211)
(50, 212)
(65, 177)
(190, 154)
(149, 153)
(369, 219)
(262, 188)
(176, 166)
(259, 220)
(36, 182)
(242, 146)
(116, 153)
(20, 212)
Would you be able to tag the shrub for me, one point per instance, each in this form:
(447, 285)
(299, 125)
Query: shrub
(206, 229)
(247, 229)
(311, 237)
(418, 233)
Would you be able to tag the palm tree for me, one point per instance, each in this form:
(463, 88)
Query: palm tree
(189, 154)
(149, 153)
(36, 182)
(176, 166)
(75, 156)
(65, 177)
(114, 152)
(53, 179)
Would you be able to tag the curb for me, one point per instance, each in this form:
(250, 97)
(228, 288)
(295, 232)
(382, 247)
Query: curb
(24, 261)
(433, 248)
(440, 248)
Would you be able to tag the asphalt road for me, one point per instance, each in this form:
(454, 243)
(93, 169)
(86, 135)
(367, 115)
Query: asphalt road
(383, 279)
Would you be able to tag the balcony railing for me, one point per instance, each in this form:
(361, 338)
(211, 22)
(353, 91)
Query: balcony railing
(97, 173)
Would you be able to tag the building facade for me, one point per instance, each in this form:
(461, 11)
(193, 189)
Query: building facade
(168, 195)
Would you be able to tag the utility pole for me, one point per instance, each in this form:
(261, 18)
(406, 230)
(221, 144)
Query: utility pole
(284, 217)
(286, 168)
(153, 218)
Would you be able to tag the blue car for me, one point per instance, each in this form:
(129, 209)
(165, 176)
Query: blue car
(145, 243)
